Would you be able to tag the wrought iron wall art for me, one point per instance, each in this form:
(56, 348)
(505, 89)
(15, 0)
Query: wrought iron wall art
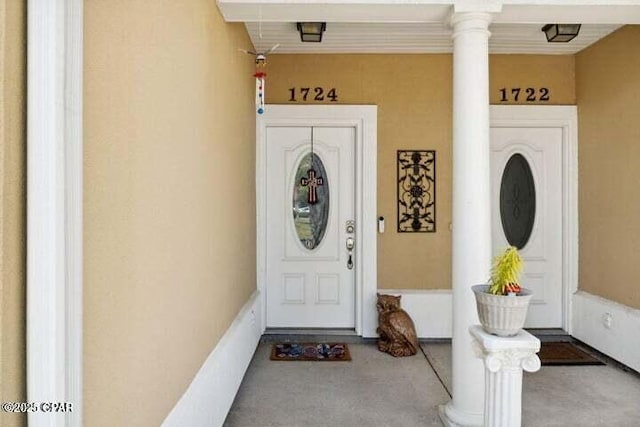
(416, 191)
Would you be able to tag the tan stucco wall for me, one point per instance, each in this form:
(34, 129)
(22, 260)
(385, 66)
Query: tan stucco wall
(12, 207)
(608, 92)
(169, 204)
(413, 94)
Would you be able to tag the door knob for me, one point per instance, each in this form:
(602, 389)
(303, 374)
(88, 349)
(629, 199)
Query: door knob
(350, 243)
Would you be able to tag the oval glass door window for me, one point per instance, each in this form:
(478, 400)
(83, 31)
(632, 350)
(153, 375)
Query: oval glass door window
(517, 201)
(311, 201)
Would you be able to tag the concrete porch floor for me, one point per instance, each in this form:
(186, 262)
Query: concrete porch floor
(375, 389)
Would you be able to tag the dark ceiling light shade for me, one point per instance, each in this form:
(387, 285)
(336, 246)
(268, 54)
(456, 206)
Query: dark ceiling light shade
(561, 33)
(311, 31)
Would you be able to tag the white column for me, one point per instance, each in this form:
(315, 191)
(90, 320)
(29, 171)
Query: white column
(504, 359)
(54, 212)
(471, 240)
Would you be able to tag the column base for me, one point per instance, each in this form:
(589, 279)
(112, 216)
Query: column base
(452, 417)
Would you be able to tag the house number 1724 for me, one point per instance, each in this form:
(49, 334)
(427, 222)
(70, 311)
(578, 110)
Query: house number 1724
(312, 94)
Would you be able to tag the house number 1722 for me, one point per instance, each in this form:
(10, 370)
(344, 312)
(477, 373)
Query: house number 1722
(312, 94)
(529, 94)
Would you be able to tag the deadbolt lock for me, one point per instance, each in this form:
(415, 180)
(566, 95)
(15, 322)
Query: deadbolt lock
(351, 226)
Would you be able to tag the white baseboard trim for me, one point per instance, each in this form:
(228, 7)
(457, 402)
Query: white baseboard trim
(210, 395)
(620, 341)
(431, 310)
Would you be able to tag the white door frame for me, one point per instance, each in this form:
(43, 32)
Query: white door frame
(54, 208)
(364, 119)
(566, 118)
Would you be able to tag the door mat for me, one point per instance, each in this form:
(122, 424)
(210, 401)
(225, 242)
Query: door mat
(311, 352)
(565, 353)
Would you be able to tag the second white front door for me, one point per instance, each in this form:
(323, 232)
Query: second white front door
(310, 217)
(526, 178)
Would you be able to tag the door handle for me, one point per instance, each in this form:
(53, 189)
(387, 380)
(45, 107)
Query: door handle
(350, 243)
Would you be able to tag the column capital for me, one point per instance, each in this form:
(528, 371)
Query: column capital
(512, 359)
(499, 353)
(466, 22)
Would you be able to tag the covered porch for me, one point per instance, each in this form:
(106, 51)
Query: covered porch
(484, 40)
(163, 241)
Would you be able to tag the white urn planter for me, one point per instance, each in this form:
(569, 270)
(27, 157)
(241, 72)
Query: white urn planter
(501, 315)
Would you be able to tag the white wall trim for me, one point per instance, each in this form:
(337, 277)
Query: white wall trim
(364, 119)
(210, 395)
(620, 341)
(566, 118)
(431, 310)
(54, 208)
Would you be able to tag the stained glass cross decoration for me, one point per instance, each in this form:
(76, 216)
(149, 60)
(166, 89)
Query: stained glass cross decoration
(312, 182)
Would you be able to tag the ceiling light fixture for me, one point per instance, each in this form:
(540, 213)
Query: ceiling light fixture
(311, 31)
(561, 33)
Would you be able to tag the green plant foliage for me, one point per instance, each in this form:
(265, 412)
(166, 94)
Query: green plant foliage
(505, 271)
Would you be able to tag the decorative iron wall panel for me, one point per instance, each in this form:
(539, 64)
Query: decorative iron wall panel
(416, 191)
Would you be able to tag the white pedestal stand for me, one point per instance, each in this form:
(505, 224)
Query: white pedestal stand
(504, 360)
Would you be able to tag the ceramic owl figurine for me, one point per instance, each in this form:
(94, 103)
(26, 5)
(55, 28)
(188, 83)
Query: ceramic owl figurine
(395, 327)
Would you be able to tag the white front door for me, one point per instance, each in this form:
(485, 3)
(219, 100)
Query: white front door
(310, 202)
(526, 177)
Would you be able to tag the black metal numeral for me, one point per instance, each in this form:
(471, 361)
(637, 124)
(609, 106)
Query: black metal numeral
(319, 94)
(531, 94)
(544, 94)
(332, 95)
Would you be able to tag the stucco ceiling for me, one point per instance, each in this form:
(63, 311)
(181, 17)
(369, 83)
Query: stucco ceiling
(422, 37)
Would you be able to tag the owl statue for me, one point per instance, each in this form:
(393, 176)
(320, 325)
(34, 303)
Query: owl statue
(395, 327)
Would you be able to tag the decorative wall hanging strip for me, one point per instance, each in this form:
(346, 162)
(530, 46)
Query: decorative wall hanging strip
(261, 62)
(416, 191)
(260, 86)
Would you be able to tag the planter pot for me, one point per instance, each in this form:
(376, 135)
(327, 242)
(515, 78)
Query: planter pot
(501, 315)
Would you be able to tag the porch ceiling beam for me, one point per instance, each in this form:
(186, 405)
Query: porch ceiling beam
(513, 11)
(593, 14)
(241, 11)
